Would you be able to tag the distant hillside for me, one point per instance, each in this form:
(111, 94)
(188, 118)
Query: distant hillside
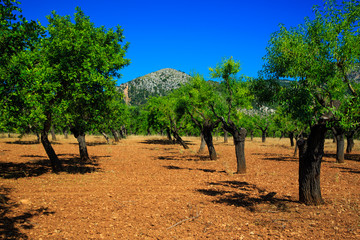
(157, 83)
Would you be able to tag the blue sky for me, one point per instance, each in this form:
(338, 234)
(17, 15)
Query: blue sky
(189, 36)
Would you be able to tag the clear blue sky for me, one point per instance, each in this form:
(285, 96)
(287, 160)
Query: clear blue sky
(190, 36)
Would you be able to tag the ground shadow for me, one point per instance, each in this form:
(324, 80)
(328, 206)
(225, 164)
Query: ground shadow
(178, 157)
(244, 194)
(91, 144)
(71, 164)
(171, 167)
(19, 142)
(10, 225)
(164, 142)
(347, 169)
(277, 157)
(347, 156)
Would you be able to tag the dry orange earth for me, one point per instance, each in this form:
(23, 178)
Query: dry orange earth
(144, 188)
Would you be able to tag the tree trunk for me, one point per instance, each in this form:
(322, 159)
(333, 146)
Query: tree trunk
(180, 140)
(350, 141)
(84, 156)
(311, 152)
(168, 134)
(226, 136)
(37, 137)
(115, 134)
(66, 134)
(80, 136)
(53, 136)
(239, 142)
(263, 135)
(239, 135)
(202, 144)
(54, 160)
(106, 137)
(206, 132)
(340, 144)
(252, 134)
(291, 136)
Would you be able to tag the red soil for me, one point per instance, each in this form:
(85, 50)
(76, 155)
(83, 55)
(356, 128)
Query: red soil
(145, 188)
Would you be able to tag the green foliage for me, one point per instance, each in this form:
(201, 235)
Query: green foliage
(84, 59)
(235, 91)
(320, 54)
(21, 106)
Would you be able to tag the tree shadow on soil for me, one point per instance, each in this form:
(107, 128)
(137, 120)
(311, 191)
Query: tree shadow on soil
(276, 157)
(171, 167)
(91, 144)
(19, 142)
(249, 196)
(163, 142)
(10, 225)
(178, 157)
(347, 156)
(33, 168)
(347, 170)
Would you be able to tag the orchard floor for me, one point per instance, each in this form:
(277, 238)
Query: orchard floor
(146, 188)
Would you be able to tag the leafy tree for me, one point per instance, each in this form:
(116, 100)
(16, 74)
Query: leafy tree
(319, 54)
(195, 99)
(84, 59)
(163, 113)
(25, 90)
(237, 96)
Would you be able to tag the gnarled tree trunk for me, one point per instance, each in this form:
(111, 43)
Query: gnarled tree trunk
(239, 135)
(263, 135)
(80, 136)
(179, 139)
(291, 136)
(115, 134)
(340, 144)
(202, 143)
(311, 152)
(54, 160)
(239, 142)
(350, 140)
(207, 133)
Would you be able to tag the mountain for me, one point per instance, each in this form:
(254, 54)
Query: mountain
(158, 83)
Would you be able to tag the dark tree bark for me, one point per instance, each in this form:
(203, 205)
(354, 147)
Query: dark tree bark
(350, 140)
(115, 134)
(80, 136)
(168, 134)
(291, 136)
(179, 139)
(311, 152)
(202, 143)
(106, 137)
(252, 135)
(340, 143)
(263, 135)
(239, 142)
(54, 160)
(239, 135)
(206, 131)
(53, 135)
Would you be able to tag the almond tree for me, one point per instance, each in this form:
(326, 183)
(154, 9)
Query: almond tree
(237, 96)
(84, 60)
(194, 99)
(319, 55)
